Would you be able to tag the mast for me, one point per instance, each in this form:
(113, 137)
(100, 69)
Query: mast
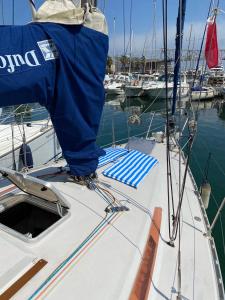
(153, 52)
(131, 33)
(114, 45)
(179, 40)
(131, 50)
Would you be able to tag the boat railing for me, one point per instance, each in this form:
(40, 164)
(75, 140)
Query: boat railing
(214, 254)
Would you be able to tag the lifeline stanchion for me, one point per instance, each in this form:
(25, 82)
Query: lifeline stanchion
(209, 232)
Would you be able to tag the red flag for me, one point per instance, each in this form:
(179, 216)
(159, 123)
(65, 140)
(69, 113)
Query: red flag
(211, 46)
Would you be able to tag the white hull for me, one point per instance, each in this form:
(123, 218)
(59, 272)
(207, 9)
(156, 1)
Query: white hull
(116, 91)
(114, 88)
(202, 95)
(161, 92)
(158, 93)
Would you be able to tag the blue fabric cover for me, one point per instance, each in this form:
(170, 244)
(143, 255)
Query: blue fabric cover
(132, 169)
(65, 76)
(111, 155)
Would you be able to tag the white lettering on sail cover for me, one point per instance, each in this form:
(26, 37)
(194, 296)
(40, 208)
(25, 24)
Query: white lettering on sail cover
(12, 61)
(16, 60)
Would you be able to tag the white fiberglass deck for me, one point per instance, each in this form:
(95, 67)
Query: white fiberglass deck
(31, 132)
(102, 254)
(39, 136)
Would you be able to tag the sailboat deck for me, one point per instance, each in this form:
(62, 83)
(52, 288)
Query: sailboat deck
(31, 132)
(94, 255)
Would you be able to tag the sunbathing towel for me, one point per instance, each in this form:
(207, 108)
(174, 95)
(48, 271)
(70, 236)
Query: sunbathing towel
(132, 169)
(111, 155)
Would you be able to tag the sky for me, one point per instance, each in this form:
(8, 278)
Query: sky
(141, 22)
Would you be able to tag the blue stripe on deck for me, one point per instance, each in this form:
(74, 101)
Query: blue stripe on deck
(132, 169)
(111, 155)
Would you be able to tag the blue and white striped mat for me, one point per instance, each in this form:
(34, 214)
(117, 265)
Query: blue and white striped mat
(132, 168)
(111, 155)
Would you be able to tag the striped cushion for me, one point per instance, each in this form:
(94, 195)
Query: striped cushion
(131, 169)
(111, 155)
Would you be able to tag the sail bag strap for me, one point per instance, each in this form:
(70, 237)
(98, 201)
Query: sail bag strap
(33, 8)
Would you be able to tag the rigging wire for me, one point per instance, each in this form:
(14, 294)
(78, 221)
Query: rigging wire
(178, 43)
(205, 65)
(169, 178)
(192, 130)
(131, 32)
(211, 4)
(124, 29)
(189, 45)
(153, 50)
(201, 47)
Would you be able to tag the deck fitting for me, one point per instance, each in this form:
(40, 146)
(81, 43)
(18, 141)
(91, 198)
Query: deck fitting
(170, 243)
(114, 209)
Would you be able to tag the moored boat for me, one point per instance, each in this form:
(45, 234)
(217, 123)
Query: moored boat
(157, 89)
(133, 90)
(137, 85)
(114, 88)
(202, 93)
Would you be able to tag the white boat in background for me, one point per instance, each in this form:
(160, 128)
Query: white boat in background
(202, 93)
(157, 89)
(114, 84)
(114, 88)
(40, 140)
(216, 79)
(135, 88)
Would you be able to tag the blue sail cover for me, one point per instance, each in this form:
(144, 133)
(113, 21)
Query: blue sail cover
(179, 40)
(62, 67)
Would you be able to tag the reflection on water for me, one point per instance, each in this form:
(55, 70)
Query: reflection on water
(221, 111)
(23, 113)
(144, 104)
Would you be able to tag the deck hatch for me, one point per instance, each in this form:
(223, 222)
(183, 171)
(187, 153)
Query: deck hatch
(33, 210)
(34, 186)
(28, 219)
